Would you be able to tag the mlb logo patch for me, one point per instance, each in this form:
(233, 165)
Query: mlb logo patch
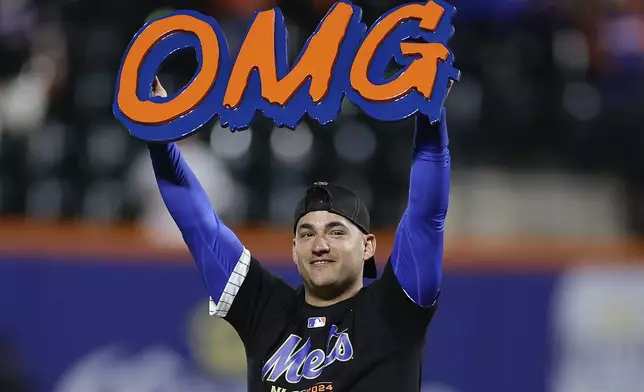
(317, 322)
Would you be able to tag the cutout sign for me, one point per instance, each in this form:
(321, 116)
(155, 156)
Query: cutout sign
(341, 58)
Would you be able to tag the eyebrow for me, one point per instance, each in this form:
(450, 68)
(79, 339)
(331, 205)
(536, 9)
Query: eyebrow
(326, 227)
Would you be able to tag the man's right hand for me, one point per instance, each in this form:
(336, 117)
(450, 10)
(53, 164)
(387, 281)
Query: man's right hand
(157, 89)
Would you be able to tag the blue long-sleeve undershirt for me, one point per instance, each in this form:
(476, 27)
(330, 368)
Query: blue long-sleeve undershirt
(214, 247)
(417, 254)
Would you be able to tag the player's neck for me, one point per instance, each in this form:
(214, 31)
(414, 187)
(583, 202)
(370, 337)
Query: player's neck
(319, 301)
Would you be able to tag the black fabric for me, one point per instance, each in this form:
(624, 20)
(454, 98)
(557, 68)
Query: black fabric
(373, 341)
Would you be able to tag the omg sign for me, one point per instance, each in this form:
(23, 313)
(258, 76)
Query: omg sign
(342, 58)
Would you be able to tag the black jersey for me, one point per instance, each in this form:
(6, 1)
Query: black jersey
(373, 341)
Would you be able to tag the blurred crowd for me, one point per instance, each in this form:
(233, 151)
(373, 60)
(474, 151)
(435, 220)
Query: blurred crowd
(549, 108)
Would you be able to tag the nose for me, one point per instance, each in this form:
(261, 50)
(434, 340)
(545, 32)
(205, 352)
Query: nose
(320, 246)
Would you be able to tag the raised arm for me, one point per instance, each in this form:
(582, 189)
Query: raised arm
(222, 259)
(418, 246)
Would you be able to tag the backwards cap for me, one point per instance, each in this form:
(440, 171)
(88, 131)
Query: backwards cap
(323, 196)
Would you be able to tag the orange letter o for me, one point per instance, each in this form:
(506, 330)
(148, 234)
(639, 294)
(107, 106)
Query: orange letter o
(148, 112)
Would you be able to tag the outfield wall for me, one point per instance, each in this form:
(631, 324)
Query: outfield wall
(99, 309)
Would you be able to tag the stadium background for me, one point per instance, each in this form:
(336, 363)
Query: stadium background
(544, 277)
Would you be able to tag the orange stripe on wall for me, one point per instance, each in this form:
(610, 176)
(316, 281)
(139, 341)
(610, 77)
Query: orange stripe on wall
(129, 244)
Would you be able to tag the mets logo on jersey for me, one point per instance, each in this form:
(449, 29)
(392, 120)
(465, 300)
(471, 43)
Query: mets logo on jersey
(296, 363)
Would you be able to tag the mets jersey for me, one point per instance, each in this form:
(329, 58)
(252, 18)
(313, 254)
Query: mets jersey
(373, 341)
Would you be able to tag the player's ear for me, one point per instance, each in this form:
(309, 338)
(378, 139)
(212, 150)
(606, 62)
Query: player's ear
(293, 251)
(369, 246)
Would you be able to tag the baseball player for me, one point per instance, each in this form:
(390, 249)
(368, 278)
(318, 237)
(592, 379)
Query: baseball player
(332, 333)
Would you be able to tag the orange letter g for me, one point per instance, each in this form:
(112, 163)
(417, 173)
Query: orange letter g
(420, 75)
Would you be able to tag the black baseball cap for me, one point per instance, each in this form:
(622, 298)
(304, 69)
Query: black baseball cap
(324, 196)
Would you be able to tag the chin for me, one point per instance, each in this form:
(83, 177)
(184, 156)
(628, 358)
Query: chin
(323, 281)
(326, 288)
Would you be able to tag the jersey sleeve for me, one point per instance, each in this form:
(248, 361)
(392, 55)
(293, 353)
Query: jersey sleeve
(255, 304)
(399, 310)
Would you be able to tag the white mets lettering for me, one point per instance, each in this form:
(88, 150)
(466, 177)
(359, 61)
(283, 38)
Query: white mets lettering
(295, 364)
